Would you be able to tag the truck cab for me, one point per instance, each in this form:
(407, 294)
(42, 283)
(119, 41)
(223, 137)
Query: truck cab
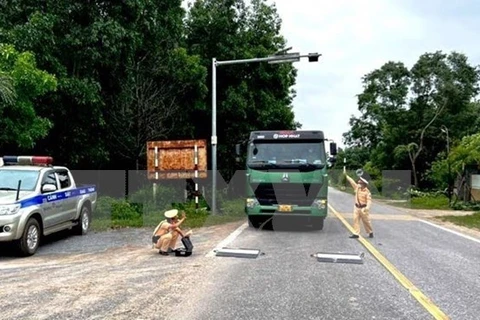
(38, 199)
(287, 175)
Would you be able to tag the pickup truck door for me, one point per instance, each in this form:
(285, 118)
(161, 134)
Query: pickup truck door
(69, 202)
(51, 206)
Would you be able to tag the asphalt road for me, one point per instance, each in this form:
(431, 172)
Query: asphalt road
(116, 274)
(286, 283)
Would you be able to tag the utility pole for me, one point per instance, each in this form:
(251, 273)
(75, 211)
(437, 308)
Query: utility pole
(280, 57)
(449, 190)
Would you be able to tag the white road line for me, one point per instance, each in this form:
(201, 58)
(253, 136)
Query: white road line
(451, 231)
(228, 239)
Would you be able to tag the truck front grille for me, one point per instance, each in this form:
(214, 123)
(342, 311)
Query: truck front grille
(301, 194)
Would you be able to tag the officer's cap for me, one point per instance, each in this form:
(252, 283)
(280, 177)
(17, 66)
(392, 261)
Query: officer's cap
(171, 213)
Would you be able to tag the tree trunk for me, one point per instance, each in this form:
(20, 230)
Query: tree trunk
(415, 179)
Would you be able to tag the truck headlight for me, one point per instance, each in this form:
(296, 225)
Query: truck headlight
(9, 209)
(251, 202)
(320, 203)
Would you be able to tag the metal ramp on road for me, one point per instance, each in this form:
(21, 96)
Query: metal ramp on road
(238, 253)
(339, 257)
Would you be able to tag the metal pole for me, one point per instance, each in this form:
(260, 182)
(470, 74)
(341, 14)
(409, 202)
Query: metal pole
(277, 58)
(450, 187)
(214, 136)
(283, 58)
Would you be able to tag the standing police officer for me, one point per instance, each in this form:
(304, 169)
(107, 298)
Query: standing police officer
(363, 202)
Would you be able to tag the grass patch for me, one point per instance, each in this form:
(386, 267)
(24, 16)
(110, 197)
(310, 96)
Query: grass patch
(118, 213)
(427, 203)
(432, 201)
(470, 221)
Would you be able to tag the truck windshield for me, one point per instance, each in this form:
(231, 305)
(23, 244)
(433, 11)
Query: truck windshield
(9, 180)
(286, 152)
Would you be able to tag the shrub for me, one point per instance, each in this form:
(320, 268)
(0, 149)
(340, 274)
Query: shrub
(123, 210)
(233, 207)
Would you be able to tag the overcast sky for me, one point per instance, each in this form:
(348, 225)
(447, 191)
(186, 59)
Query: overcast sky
(356, 37)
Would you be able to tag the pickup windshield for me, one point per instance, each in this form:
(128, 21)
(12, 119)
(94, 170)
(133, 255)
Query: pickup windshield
(9, 179)
(286, 154)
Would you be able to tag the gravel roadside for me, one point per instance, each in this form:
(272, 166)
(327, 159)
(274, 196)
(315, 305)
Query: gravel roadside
(107, 275)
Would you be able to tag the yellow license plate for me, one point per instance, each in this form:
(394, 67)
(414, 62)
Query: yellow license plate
(284, 208)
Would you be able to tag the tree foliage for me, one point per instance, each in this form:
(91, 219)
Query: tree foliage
(249, 96)
(21, 84)
(132, 71)
(403, 111)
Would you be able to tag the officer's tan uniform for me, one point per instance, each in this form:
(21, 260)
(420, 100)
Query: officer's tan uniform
(163, 237)
(361, 210)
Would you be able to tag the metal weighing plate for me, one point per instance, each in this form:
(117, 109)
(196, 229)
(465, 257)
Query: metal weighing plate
(237, 253)
(339, 257)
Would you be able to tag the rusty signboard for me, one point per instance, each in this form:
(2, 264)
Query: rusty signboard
(177, 159)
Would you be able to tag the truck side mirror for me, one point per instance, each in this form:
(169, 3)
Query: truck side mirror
(333, 148)
(237, 149)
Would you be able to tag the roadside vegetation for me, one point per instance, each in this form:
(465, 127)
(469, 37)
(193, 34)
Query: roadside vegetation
(143, 210)
(414, 199)
(126, 79)
(469, 221)
(417, 136)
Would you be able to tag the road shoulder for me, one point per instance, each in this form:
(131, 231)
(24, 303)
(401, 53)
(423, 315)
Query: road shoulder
(433, 216)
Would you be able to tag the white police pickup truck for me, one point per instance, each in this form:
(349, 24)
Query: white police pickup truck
(38, 199)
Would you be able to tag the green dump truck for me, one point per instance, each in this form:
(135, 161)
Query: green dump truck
(286, 175)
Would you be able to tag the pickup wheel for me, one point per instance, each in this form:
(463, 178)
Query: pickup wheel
(83, 222)
(30, 241)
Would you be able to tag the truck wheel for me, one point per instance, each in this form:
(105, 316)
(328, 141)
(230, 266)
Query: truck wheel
(28, 244)
(83, 222)
(318, 223)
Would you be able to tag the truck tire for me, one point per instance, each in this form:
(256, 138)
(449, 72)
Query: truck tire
(253, 222)
(30, 240)
(317, 223)
(83, 221)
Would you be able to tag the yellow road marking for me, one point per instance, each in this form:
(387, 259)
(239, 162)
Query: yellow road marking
(400, 217)
(414, 291)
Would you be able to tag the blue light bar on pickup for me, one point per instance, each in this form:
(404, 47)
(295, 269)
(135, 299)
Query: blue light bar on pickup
(27, 160)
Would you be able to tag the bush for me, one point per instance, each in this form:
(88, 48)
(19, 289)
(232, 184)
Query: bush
(123, 210)
(415, 193)
(233, 207)
(467, 206)
(104, 207)
(142, 210)
(162, 200)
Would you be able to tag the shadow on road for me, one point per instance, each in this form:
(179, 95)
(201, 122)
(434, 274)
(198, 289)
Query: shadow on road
(287, 224)
(8, 249)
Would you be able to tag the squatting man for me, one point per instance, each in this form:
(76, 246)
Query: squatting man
(363, 202)
(166, 233)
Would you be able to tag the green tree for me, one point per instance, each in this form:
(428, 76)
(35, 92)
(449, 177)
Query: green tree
(403, 110)
(152, 104)
(467, 152)
(249, 96)
(21, 84)
(94, 49)
(7, 91)
(464, 152)
(355, 158)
